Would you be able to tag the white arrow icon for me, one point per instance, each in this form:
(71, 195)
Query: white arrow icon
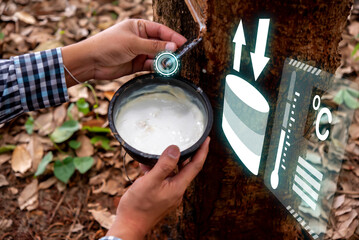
(239, 40)
(259, 61)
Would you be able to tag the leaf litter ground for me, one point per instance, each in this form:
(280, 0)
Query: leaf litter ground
(71, 143)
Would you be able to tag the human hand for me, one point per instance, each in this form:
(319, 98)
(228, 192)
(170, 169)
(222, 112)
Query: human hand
(156, 193)
(122, 49)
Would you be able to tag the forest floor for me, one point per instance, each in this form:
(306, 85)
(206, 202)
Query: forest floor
(45, 207)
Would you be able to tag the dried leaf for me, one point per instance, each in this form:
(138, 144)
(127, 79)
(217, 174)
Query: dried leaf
(44, 124)
(78, 91)
(50, 44)
(3, 181)
(102, 108)
(5, 157)
(109, 95)
(29, 195)
(351, 229)
(48, 183)
(94, 123)
(343, 211)
(112, 187)
(343, 227)
(98, 179)
(21, 159)
(86, 148)
(103, 217)
(60, 114)
(111, 86)
(78, 227)
(5, 223)
(60, 186)
(354, 131)
(338, 201)
(36, 151)
(13, 190)
(25, 17)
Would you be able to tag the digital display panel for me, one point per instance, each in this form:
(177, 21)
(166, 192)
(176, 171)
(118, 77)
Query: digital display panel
(310, 131)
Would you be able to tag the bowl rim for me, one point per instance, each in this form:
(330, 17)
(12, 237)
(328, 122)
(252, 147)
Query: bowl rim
(197, 89)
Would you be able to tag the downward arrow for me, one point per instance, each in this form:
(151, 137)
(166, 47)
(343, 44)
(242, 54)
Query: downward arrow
(259, 61)
(239, 40)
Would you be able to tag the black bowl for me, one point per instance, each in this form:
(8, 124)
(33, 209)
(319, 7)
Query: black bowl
(129, 89)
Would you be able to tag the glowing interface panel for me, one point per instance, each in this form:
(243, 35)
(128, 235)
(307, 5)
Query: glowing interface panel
(313, 113)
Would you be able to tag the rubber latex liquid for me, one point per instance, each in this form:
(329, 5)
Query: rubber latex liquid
(153, 121)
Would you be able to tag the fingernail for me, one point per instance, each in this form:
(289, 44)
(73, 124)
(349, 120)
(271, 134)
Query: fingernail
(171, 46)
(173, 152)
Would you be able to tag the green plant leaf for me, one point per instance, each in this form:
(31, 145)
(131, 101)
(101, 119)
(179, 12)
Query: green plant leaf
(96, 129)
(65, 131)
(2, 35)
(339, 98)
(350, 101)
(105, 142)
(355, 50)
(29, 125)
(83, 106)
(7, 148)
(114, 16)
(83, 164)
(69, 111)
(353, 92)
(44, 162)
(64, 169)
(74, 144)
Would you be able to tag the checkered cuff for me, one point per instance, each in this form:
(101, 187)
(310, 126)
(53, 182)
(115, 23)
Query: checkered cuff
(110, 238)
(41, 79)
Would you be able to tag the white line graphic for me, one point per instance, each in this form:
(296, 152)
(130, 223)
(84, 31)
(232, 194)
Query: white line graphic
(274, 180)
(310, 168)
(303, 196)
(306, 187)
(259, 61)
(308, 178)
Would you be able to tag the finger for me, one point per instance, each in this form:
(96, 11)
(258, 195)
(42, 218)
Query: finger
(165, 164)
(159, 31)
(183, 164)
(152, 46)
(145, 168)
(190, 171)
(148, 65)
(138, 63)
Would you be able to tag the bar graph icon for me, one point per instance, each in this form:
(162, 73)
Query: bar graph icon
(307, 182)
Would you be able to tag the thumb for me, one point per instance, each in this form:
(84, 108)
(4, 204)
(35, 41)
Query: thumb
(166, 163)
(152, 47)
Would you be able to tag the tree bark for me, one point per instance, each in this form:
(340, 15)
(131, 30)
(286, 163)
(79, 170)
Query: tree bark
(226, 201)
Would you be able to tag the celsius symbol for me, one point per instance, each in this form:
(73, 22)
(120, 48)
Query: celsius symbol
(316, 105)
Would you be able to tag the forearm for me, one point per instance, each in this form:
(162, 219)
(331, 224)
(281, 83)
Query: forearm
(79, 61)
(125, 230)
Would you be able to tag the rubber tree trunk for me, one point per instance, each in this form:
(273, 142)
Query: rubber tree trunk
(226, 201)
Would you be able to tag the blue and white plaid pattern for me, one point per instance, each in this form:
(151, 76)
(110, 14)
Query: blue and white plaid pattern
(110, 238)
(30, 82)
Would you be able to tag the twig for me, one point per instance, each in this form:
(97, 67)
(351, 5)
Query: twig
(57, 206)
(74, 222)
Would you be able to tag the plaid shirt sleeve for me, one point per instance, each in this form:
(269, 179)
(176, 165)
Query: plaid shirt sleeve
(30, 82)
(110, 238)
